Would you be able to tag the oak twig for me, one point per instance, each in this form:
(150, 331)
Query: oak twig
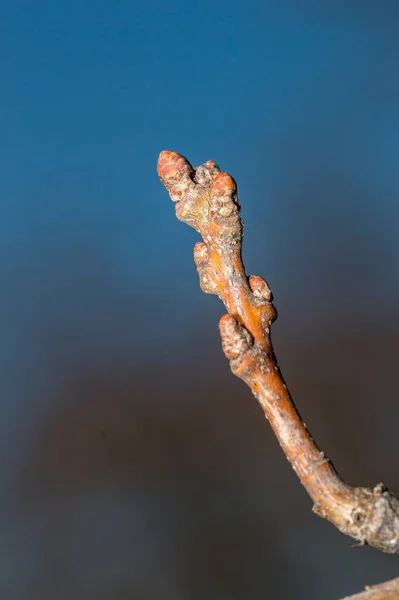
(206, 199)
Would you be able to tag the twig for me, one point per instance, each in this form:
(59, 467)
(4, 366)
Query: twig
(206, 199)
(389, 590)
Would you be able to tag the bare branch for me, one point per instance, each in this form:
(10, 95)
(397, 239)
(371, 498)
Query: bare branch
(206, 199)
(389, 590)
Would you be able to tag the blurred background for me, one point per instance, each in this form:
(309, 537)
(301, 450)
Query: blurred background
(133, 464)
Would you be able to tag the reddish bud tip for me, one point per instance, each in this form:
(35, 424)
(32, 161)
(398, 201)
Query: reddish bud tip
(172, 165)
(224, 185)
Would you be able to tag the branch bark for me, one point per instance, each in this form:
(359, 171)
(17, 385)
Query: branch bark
(206, 199)
(389, 590)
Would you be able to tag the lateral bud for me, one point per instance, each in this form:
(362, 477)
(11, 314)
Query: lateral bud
(260, 288)
(236, 340)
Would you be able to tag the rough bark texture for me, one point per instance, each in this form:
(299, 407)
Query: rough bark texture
(206, 199)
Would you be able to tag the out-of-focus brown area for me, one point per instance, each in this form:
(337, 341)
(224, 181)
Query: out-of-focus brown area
(151, 472)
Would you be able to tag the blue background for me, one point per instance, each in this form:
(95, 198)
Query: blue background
(133, 464)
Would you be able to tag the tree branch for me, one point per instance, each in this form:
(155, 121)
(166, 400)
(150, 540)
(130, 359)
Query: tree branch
(389, 590)
(206, 199)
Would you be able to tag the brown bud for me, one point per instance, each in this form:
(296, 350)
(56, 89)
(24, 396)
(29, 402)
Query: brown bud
(235, 338)
(205, 174)
(201, 254)
(260, 288)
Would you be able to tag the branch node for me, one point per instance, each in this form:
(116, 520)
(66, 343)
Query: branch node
(322, 460)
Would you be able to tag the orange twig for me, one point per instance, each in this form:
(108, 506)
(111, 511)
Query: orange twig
(206, 199)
